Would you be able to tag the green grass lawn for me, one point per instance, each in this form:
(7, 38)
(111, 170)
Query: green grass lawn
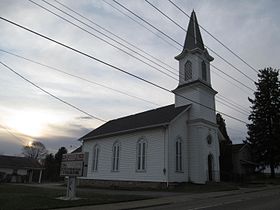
(19, 197)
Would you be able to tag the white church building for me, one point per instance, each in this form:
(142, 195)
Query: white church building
(173, 144)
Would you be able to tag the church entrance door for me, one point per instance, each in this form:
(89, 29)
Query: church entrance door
(210, 167)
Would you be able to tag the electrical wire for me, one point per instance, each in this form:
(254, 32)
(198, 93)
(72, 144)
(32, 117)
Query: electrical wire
(179, 43)
(107, 42)
(50, 94)
(139, 23)
(73, 17)
(255, 70)
(79, 77)
(230, 64)
(9, 132)
(116, 68)
(115, 35)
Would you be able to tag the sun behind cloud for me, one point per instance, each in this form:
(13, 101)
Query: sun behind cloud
(30, 123)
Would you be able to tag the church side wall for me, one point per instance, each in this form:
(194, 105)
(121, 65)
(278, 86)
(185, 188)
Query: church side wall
(127, 168)
(178, 129)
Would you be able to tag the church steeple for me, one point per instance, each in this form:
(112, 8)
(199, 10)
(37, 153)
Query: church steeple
(194, 67)
(193, 38)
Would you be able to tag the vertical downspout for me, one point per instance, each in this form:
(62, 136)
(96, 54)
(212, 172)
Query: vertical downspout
(188, 147)
(166, 158)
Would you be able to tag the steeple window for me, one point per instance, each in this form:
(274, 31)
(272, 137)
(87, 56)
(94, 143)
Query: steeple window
(188, 71)
(203, 69)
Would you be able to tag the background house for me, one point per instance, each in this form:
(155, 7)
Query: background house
(20, 169)
(243, 166)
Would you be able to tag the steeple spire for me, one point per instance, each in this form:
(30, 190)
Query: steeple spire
(193, 38)
(193, 41)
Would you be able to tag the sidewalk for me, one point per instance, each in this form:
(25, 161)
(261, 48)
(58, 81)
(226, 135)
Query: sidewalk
(169, 200)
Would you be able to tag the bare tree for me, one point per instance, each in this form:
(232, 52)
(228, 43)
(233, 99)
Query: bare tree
(35, 150)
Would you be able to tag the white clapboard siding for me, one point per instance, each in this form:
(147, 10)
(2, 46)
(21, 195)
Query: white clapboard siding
(127, 168)
(178, 129)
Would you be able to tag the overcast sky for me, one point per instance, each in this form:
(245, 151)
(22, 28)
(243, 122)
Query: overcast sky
(250, 28)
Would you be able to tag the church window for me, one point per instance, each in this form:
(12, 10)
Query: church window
(96, 151)
(141, 155)
(178, 148)
(116, 157)
(188, 70)
(203, 69)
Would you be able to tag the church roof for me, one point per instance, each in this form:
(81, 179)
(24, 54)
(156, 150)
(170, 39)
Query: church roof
(193, 38)
(77, 150)
(151, 118)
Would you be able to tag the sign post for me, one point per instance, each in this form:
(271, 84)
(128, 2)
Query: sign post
(71, 188)
(72, 166)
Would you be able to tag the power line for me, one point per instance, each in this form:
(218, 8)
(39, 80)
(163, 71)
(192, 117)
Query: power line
(166, 41)
(9, 132)
(78, 77)
(107, 87)
(90, 21)
(81, 22)
(178, 42)
(104, 35)
(200, 42)
(50, 94)
(166, 35)
(107, 42)
(116, 68)
(108, 31)
(229, 105)
(245, 109)
(231, 77)
(236, 130)
(243, 90)
(233, 106)
(216, 38)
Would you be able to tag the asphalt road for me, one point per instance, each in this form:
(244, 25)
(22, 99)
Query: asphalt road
(262, 200)
(264, 203)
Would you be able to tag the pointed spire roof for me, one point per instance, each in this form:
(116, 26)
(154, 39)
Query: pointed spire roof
(193, 38)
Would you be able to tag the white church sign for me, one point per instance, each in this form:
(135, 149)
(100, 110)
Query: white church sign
(72, 164)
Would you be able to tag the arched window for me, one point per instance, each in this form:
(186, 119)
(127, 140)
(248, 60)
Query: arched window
(116, 156)
(96, 151)
(188, 70)
(178, 148)
(203, 69)
(141, 154)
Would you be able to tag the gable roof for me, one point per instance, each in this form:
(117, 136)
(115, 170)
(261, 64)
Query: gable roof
(151, 118)
(238, 147)
(19, 162)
